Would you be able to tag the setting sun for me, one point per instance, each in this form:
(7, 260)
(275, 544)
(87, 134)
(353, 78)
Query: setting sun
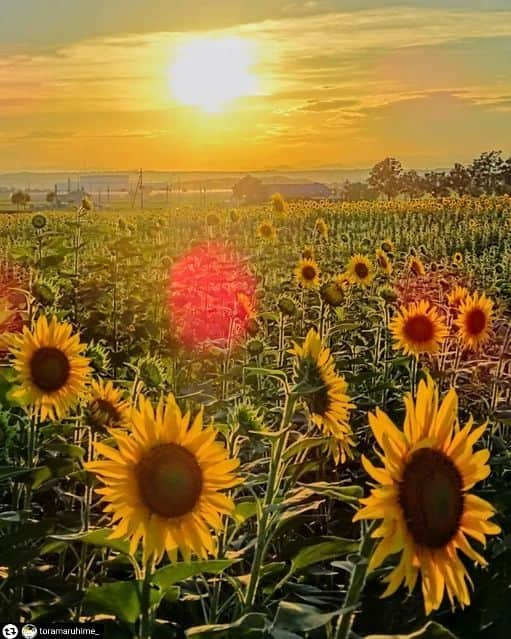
(210, 73)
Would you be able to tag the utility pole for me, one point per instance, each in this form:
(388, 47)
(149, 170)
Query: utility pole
(140, 187)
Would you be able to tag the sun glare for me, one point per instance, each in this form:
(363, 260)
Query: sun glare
(210, 73)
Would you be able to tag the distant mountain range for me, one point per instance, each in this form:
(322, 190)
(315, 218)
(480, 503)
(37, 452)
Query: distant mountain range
(191, 180)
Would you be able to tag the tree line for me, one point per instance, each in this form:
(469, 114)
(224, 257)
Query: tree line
(488, 174)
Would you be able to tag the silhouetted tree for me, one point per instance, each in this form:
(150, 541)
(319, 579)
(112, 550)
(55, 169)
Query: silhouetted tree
(436, 183)
(460, 179)
(412, 184)
(485, 172)
(20, 198)
(354, 191)
(385, 177)
(249, 189)
(505, 177)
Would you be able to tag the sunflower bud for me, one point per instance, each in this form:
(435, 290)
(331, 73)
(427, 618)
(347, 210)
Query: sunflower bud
(166, 262)
(151, 373)
(255, 347)
(44, 293)
(98, 357)
(332, 294)
(39, 221)
(253, 327)
(246, 418)
(287, 305)
(212, 220)
(388, 294)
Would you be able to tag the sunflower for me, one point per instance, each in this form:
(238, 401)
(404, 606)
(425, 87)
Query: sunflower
(307, 273)
(267, 231)
(387, 246)
(457, 258)
(279, 204)
(287, 305)
(416, 266)
(422, 497)
(326, 394)
(342, 281)
(321, 228)
(162, 482)
(106, 407)
(360, 270)
(457, 295)
(382, 259)
(474, 321)
(308, 253)
(245, 310)
(418, 328)
(51, 369)
(332, 293)
(6, 312)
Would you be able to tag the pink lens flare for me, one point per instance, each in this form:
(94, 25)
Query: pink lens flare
(210, 297)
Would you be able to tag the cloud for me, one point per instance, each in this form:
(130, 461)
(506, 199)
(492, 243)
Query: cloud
(328, 79)
(328, 105)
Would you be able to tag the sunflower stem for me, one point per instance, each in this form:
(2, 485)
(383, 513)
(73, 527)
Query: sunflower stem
(31, 447)
(145, 619)
(321, 318)
(274, 479)
(356, 585)
(281, 340)
(414, 367)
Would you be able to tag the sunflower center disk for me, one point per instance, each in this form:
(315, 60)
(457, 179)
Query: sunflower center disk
(419, 329)
(361, 270)
(309, 272)
(318, 398)
(49, 369)
(169, 480)
(476, 321)
(431, 498)
(104, 412)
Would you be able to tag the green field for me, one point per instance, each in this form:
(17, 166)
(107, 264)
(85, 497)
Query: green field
(320, 340)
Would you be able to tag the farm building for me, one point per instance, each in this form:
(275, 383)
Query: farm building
(252, 190)
(73, 198)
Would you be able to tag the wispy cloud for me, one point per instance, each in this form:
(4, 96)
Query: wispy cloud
(328, 80)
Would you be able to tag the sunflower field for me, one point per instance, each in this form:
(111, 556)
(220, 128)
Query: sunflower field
(282, 421)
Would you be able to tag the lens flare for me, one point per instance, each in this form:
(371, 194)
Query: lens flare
(210, 297)
(13, 302)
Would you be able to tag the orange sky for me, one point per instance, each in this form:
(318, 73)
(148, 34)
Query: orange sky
(428, 82)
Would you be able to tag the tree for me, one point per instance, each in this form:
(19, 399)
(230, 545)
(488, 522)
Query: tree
(412, 184)
(505, 177)
(385, 177)
(485, 172)
(18, 198)
(51, 197)
(436, 183)
(26, 200)
(460, 179)
(249, 189)
(354, 191)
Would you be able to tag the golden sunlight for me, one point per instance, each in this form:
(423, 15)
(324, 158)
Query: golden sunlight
(210, 73)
